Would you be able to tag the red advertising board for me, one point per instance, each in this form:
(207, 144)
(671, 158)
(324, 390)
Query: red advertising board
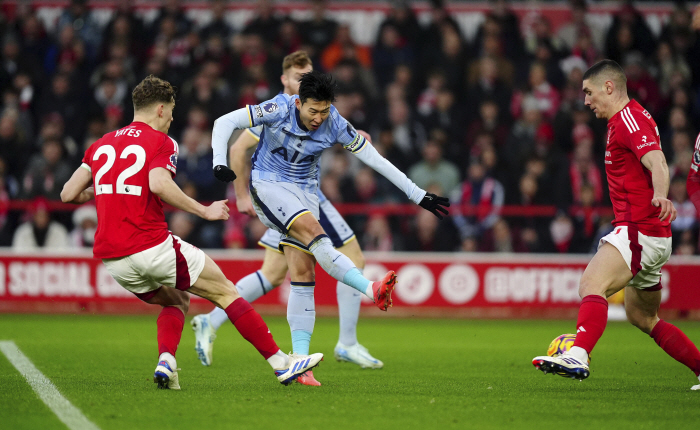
(473, 285)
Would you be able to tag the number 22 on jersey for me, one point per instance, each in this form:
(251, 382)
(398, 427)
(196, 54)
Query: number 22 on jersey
(122, 186)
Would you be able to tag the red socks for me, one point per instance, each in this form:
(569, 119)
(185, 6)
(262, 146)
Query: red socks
(252, 327)
(170, 323)
(676, 344)
(592, 318)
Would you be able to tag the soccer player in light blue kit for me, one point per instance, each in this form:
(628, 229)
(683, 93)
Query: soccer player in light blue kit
(296, 130)
(274, 267)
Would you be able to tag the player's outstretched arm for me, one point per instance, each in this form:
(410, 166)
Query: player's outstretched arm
(161, 183)
(76, 190)
(655, 161)
(366, 152)
(220, 135)
(240, 163)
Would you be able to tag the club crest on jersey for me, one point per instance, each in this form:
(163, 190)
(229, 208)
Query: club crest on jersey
(270, 107)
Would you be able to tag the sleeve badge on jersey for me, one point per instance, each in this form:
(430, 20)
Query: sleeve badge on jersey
(173, 159)
(696, 157)
(270, 107)
(258, 112)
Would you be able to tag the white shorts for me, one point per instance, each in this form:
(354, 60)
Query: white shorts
(644, 255)
(332, 222)
(174, 263)
(278, 204)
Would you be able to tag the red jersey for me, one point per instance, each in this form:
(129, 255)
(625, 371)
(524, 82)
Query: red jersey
(632, 133)
(693, 182)
(130, 217)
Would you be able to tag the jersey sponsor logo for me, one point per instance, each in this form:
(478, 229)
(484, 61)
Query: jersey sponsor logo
(270, 107)
(128, 132)
(258, 112)
(295, 158)
(644, 145)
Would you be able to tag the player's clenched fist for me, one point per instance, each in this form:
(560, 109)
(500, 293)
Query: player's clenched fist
(217, 211)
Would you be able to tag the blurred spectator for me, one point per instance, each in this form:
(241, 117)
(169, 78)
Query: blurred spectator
(83, 21)
(320, 30)
(218, 25)
(640, 85)
(562, 230)
(490, 122)
(503, 28)
(265, 24)
(66, 54)
(127, 29)
(628, 32)
(435, 170)
(401, 17)
(85, 222)
(47, 172)
(687, 216)
(408, 135)
(544, 96)
(62, 102)
(390, 52)
(673, 69)
(13, 145)
(583, 172)
(486, 83)
(344, 48)
(40, 231)
(580, 25)
(194, 165)
(477, 203)
(172, 11)
(429, 234)
(377, 235)
(288, 39)
(448, 117)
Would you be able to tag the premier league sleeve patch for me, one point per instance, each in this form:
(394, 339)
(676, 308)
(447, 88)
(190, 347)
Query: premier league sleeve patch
(173, 162)
(270, 107)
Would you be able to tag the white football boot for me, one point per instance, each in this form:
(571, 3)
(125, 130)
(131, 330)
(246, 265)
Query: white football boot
(204, 335)
(298, 364)
(166, 372)
(563, 365)
(356, 354)
(695, 387)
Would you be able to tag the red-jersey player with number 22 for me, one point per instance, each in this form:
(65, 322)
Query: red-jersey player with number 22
(132, 170)
(632, 255)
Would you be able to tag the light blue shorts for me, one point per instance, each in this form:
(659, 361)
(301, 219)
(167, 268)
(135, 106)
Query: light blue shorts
(278, 204)
(332, 222)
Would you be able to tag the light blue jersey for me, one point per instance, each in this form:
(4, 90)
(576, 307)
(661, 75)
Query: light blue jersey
(256, 132)
(289, 153)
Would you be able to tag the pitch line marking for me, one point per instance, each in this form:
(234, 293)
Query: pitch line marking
(45, 389)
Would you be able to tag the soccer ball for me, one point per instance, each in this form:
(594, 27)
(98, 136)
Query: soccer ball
(561, 344)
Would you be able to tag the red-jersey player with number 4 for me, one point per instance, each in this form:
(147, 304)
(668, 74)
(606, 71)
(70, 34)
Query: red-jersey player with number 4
(132, 170)
(633, 254)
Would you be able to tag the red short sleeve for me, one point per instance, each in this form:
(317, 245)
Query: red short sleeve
(641, 132)
(166, 156)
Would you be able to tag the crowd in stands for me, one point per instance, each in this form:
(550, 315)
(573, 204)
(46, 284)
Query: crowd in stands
(497, 120)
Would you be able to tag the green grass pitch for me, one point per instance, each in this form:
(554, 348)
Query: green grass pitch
(439, 374)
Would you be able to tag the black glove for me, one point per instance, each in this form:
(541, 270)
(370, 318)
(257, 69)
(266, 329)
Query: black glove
(224, 174)
(435, 204)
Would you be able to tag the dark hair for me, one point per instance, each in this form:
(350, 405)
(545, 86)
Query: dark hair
(610, 70)
(318, 86)
(152, 90)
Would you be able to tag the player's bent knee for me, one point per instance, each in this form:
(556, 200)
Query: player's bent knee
(274, 276)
